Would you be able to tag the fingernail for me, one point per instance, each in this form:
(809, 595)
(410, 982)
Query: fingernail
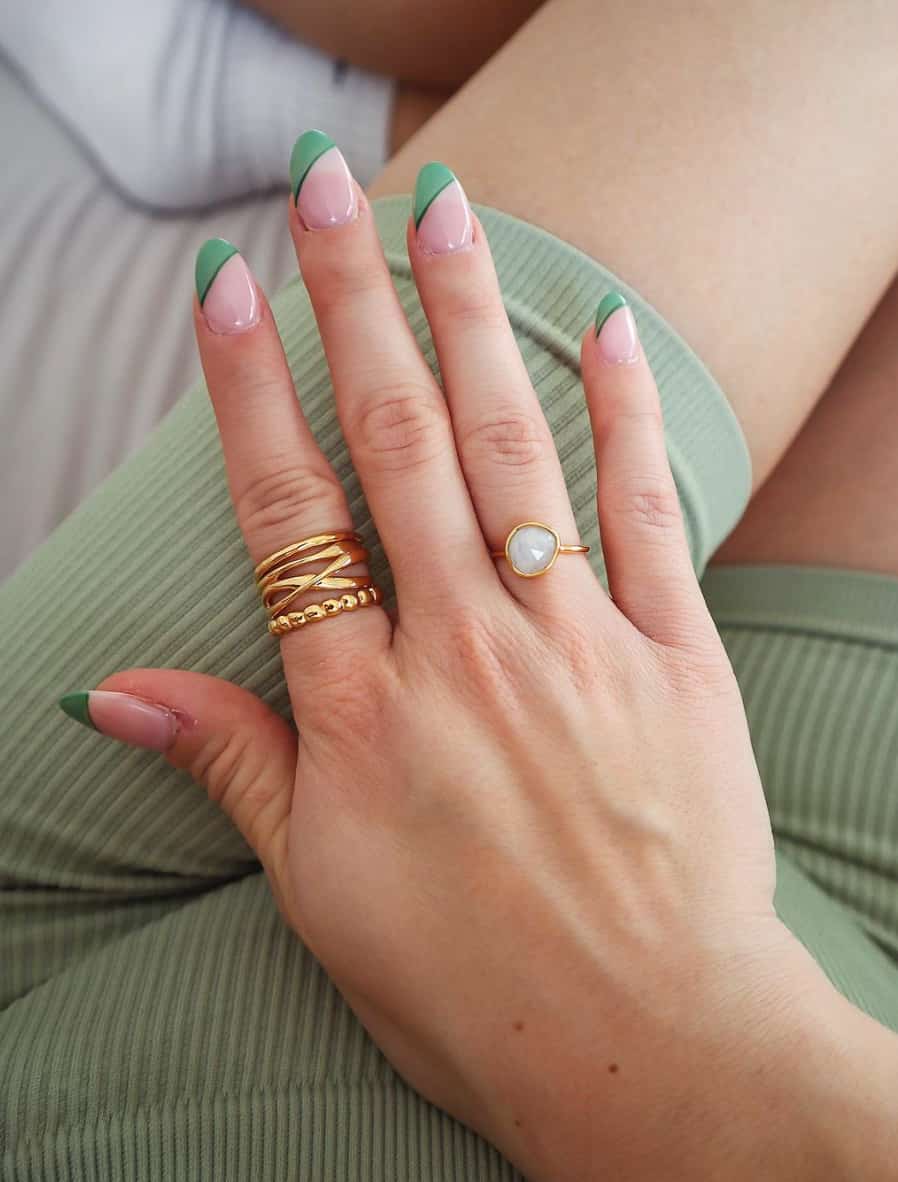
(321, 181)
(442, 213)
(225, 287)
(616, 330)
(124, 717)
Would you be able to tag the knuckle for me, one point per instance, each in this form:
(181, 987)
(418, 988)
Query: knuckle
(463, 302)
(342, 710)
(699, 671)
(573, 643)
(485, 656)
(219, 765)
(510, 437)
(620, 413)
(338, 276)
(278, 500)
(232, 769)
(402, 428)
(650, 506)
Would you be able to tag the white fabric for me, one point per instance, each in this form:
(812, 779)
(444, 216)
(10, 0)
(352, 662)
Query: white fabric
(96, 334)
(184, 103)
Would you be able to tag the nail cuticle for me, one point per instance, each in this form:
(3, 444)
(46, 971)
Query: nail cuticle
(323, 190)
(442, 213)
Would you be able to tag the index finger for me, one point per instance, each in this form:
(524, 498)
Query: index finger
(282, 487)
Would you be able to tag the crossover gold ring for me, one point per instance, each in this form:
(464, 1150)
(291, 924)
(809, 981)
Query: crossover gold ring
(532, 548)
(337, 550)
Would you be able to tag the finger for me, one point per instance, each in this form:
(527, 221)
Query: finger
(392, 411)
(502, 437)
(282, 487)
(234, 745)
(650, 573)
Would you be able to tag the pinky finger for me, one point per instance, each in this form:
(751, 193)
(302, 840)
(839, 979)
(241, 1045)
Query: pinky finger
(650, 573)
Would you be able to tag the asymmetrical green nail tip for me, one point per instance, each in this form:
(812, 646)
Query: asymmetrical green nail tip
(211, 258)
(75, 705)
(608, 304)
(307, 149)
(432, 180)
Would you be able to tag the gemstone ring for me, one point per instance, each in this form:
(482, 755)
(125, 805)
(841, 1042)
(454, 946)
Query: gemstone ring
(532, 548)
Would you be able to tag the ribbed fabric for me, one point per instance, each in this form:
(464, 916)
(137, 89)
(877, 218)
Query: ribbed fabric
(160, 1020)
(816, 654)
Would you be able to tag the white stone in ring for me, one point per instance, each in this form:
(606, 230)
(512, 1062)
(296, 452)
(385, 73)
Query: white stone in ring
(532, 548)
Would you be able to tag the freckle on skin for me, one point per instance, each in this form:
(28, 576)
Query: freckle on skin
(519, 1025)
(612, 1067)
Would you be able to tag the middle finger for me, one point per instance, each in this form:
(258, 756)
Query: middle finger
(392, 411)
(503, 439)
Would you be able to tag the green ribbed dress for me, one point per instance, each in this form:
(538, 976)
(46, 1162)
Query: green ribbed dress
(157, 1018)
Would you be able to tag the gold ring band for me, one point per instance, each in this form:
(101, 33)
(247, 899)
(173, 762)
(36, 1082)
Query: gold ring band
(282, 577)
(364, 597)
(532, 548)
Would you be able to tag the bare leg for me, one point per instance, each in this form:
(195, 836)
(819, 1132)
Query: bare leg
(723, 161)
(831, 500)
(439, 44)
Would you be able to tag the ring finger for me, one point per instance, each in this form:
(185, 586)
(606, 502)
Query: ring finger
(503, 440)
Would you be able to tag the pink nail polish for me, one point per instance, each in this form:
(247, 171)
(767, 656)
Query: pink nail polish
(446, 226)
(125, 717)
(618, 338)
(231, 304)
(327, 196)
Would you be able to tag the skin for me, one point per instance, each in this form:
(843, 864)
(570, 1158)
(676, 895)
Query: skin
(743, 1027)
(836, 374)
(831, 500)
(413, 105)
(774, 313)
(391, 846)
(428, 45)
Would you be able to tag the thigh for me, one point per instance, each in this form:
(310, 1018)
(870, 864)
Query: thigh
(722, 159)
(433, 45)
(831, 499)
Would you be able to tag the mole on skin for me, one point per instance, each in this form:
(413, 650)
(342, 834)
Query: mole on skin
(612, 1067)
(518, 1025)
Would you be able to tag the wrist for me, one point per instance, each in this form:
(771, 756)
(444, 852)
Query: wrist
(798, 1087)
(849, 1076)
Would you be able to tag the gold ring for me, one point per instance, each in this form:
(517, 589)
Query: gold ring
(337, 550)
(532, 549)
(364, 597)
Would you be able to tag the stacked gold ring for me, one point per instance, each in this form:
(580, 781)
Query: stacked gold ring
(276, 575)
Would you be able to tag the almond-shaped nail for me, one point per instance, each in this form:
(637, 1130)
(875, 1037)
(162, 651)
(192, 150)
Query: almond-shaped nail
(123, 716)
(322, 183)
(442, 214)
(225, 288)
(616, 330)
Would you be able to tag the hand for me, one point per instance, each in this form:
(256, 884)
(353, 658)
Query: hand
(522, 827)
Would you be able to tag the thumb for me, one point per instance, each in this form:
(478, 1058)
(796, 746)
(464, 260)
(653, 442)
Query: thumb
(234, 745)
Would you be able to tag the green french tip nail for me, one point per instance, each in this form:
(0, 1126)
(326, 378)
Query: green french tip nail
(211, 258)
(307, 149)
(608, 304)
(432, 180)
(76, 706)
